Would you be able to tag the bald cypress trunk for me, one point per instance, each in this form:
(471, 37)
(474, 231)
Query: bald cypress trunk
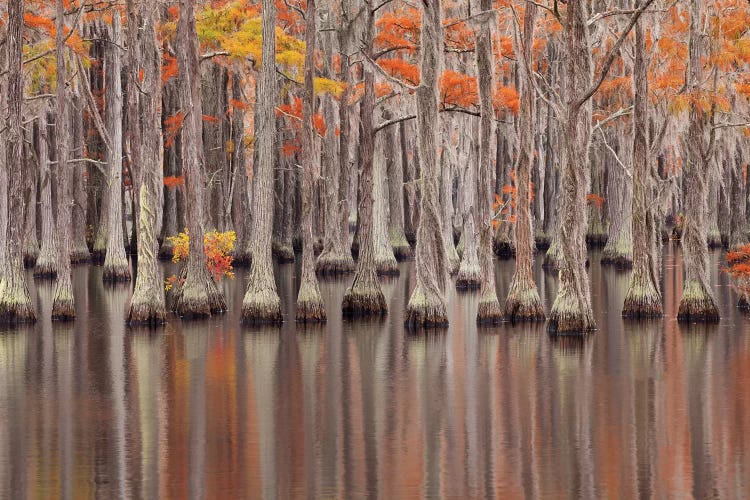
(697, 303)
(15, 301)
(116, 267)
(241, 179)
(79, 251)
(47, 264)
(365, 297)
(469, 275)
(310, 306)
(196, 295)
(572, 311)
(63, 304)
(170, 226)
(619, 248)
(147, 305)
(385, 260)
(261, 302)
(426, 306)
(336, 257)
(643, 298)
(396, 165)
(30, 240)
(489, 307)
(523, 302)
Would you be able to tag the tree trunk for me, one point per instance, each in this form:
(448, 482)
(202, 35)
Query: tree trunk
(171, 169)
(30, 240)
(364, 297)
(116, 267)
(697, 303)
(385, 260)
(146, 158)
(643, 298)
(445, 204)
(310, 306)
(15, 301)
(79, 251)
(489, 310)
(47, 264)
(523, 302)
(261, 303)
(619, 248)
(713, 237)
(396, 162)
(63, 304)
(469, 273)
(213, 98)
(242, 178)
(336, 257)
(426, 306)
(571, 311)
(197, 295)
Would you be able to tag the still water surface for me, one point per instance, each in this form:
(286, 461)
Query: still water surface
(362, 409)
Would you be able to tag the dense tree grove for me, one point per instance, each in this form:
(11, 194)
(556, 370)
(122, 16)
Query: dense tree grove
(352, 134)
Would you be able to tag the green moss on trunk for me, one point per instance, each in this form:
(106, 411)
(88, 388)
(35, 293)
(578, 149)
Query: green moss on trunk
(697, 305)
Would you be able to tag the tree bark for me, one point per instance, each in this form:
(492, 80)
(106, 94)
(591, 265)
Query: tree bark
(261, 303)
(619, 248)
(63, 304)
(469, 275)
(79, 252)
(336, 257)
(697, 303)
(523, 302)
(426, 306)
(396, 164)
(116, 268)
(643, 298)
(15, 301)
(47, 264)
(385, 260)
(310, 305)
(365, 297)
(30, 240)
(572, 311)
(147, 305)
(243, 178)
(489, 310)
(197, 295)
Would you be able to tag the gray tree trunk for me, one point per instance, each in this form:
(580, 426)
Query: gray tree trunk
(426, 305)
(572, 311)
(365, 297)
(523, 302)
(643, 298)
(116, 268)
(697, 303)
(147, 305)
(63, 304)
(489, 310)
(310, 305)
(47, 264)
(196, 295)
(15, 301)
(261, 302)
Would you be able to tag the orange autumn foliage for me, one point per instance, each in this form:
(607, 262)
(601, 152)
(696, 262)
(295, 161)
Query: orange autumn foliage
(739, 268)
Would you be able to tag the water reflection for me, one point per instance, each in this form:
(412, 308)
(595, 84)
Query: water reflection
(362, 409)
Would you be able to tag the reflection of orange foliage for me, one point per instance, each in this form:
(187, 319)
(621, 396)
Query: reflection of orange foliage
(594, 200)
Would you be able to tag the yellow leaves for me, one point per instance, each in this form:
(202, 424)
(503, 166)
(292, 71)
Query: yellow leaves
(328, 86)
(217, 247)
